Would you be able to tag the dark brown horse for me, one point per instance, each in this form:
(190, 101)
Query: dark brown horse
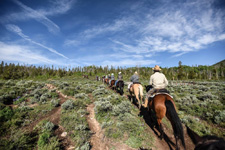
(207, 142)
(163, 105)
(119, 87)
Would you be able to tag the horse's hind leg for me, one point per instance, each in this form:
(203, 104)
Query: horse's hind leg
(160, 128)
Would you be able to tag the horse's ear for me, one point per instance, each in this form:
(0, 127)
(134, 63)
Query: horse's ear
(194, 136)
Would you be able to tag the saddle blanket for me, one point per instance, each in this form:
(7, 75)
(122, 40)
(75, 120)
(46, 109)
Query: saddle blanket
(161, 93)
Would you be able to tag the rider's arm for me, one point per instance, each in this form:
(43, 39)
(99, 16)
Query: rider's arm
(165, 81)
(151, 80)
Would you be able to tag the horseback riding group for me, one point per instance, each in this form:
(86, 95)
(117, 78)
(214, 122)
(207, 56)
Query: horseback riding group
(157, 101)
(117, 85)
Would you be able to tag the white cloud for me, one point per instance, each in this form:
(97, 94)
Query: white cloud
(181, 28)
(116, 26)
(31, 13)
(17, 30)
(57, 7)
(22, 54)
(129, 62)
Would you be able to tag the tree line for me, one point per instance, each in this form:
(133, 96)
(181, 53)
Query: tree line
(181, 72)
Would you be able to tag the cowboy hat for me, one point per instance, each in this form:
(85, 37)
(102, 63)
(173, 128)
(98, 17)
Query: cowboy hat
(157, 68)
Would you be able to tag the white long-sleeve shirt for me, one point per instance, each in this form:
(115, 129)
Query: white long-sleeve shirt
(158, 80)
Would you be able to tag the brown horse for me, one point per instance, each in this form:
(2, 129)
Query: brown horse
(163, 105)
(207, 142)
(137, 90)
(106, 81)
(85, 76)
(112, 84)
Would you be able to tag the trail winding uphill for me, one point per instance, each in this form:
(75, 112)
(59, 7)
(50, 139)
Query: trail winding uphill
(98, 140)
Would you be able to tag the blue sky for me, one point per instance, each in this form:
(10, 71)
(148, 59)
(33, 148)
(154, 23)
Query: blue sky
(112, 32)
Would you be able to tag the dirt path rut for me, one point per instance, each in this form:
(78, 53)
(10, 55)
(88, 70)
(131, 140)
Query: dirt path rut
(98, 140)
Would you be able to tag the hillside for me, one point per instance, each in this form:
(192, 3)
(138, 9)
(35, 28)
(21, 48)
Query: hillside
(78, 113)
(219, 64)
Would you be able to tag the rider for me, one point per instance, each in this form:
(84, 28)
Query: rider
(157, 81)
(119, 77)
(134, 79)
(112, 78)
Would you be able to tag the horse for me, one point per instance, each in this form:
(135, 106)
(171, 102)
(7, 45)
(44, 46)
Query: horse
(85, 76)
(112, 84)
(137, 90)
(119, 87)
(103, 79)
(97, 78)
(163, 105)
(106, 81)
(207, 142)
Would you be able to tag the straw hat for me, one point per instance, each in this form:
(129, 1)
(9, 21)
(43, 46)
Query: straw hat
(135, 72)
(157, 68)
(119, 72)
(112, 74)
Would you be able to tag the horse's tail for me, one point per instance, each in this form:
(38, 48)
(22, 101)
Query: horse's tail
(140, 91)
(175, 120)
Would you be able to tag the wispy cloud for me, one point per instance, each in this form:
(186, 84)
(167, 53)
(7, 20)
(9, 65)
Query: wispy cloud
(17, 30)
(190, 27)
(130, 62)
(22, 54)
(58, 7)
(40, 15)
(31, 13)
(116, 26)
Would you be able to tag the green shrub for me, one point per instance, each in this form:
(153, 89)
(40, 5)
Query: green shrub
(219, 117)
(48, 126)
(123, 107)
(43, 139)
(81, 95)
(6, 114)
(55, 102)
(53, 144)
(103, 106)
(68, 105)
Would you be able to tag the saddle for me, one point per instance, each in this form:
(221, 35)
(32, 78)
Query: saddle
(136, 83)
(159, 91)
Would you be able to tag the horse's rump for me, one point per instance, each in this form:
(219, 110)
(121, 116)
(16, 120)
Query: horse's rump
(120, 82)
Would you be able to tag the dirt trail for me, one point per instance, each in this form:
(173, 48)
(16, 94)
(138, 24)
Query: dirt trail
(54, 117)
(65, 141)
(98, 139)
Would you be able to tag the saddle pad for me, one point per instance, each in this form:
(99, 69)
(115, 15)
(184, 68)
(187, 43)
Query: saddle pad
(161, 93)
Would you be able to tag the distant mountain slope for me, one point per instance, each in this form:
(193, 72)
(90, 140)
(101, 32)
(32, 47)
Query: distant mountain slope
(220, 63)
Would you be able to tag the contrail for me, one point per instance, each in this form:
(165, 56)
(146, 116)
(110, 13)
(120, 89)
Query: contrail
(17, 30)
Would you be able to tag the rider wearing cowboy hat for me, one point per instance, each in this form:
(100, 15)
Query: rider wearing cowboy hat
(157, 81)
